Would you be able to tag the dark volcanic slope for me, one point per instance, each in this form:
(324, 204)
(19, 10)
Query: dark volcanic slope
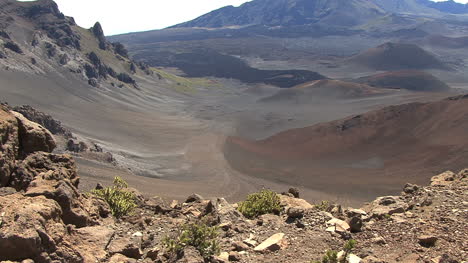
(395, 56)
(364, 155)
(409, 79)
(201, 63)
(287, 12)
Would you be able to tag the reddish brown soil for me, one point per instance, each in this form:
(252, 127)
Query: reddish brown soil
(363, 156)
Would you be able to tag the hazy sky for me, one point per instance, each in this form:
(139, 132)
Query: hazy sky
(122, 16)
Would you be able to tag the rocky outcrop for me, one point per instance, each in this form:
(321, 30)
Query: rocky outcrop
(10, 145)
(386, 205)
(41, 204)
(33, 137)
(31, 228)
(99, 34)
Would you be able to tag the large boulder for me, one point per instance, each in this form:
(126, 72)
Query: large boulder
(386, 205)
(443, 179)
(273, 243)
(129, 246)
(33, 137)
(55, 177)
(92, 242)
(62, 166)
(219, 211)
(288, 201)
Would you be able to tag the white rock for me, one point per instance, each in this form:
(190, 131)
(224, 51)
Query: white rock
(137, 234)
(338, 223)
(273, 243)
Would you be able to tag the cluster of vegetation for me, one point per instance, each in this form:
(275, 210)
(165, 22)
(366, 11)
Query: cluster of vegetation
(331, 256)
(119, 198)
(199, 235)
(323, 206)
(263, 202)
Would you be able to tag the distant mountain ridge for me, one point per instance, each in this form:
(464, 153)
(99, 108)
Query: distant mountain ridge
(286, 12)
(332, 12)
(448, 6)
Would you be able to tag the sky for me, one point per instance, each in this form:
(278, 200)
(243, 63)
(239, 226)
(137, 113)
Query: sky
(123, 16)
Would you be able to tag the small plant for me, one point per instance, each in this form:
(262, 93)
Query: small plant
(323, 206)
(263, 202)
(388, 216)
(331, 256)
(199, 235)
(348, 248)
(120, 200)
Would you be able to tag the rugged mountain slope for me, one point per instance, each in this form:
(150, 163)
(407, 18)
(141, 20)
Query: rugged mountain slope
(448, 6)
(369, 153)
(303, 12)
(286, 13)
(408, 7)
(37, 38)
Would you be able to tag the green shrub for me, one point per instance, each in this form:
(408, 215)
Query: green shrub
(199, 235)
(331, 256)
(348, 247)
(120, 200)
(256, 204)
(323, 206)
